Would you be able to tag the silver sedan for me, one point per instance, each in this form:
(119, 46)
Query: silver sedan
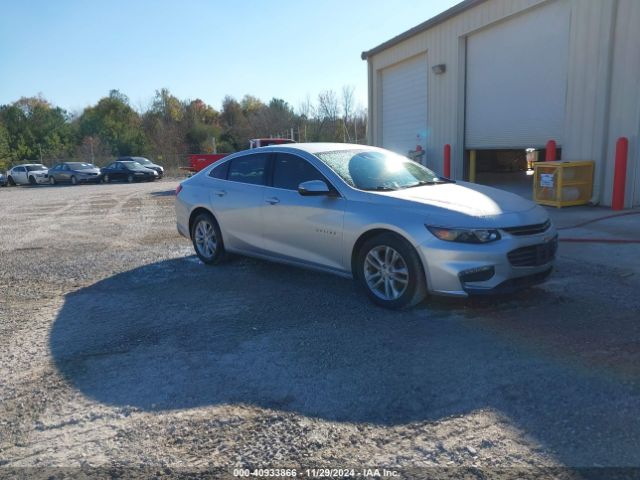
(394, 226)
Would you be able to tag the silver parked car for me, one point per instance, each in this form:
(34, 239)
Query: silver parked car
(396, 227)
(74, 173)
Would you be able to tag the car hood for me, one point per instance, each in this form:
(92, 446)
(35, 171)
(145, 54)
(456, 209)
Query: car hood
(463, 204)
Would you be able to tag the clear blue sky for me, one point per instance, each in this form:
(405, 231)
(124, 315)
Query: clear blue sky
(74, 52)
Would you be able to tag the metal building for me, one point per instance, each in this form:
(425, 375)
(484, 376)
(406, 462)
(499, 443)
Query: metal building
(501, 76)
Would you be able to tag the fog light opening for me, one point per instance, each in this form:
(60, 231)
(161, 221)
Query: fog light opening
(478, 274)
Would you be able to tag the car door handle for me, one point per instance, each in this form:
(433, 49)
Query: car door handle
(273, 200)
(221, 193)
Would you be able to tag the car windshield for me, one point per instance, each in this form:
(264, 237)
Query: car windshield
(34, 168)
(133, 166)
(378, 170)
(143, 161)
(80, 166)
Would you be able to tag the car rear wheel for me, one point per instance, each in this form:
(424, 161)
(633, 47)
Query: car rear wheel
(130, 178)
(74, 180)
(390, 271)
(207, 240)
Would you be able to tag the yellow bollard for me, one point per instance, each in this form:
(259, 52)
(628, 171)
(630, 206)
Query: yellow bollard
(472, 166)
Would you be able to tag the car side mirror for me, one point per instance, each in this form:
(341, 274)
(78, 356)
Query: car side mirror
(315, 188)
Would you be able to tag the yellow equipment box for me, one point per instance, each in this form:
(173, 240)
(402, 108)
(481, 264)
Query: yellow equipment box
(562, 184)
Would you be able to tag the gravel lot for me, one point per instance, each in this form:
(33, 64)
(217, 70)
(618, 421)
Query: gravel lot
(119, 349)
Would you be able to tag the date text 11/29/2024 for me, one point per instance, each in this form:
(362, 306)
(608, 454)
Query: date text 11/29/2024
(316, 473)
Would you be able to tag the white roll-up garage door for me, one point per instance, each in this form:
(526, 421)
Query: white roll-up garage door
(404, 105)
(516, 80)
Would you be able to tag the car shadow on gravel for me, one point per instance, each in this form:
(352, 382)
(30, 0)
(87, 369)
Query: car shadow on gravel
(164, 193)
(177, 334)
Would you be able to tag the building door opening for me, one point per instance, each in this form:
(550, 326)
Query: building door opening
(508, 169)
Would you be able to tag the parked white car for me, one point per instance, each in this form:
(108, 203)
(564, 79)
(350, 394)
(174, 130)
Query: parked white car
(28, 173)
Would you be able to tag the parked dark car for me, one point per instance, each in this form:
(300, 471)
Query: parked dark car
(145, 162)
(74, 173)
(128, 171)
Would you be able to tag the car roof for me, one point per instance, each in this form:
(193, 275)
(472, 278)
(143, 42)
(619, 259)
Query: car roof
(319, 147)
(29, 165)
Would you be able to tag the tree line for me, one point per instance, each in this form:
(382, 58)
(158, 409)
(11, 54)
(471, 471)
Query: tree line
(34, 130)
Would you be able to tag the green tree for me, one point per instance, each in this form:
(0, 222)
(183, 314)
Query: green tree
(36, 129)
(5, 151)
(116, 124)
(202, 127)
(236, 129)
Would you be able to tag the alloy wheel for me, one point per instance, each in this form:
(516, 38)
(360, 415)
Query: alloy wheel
(386, 273)
(205, 239)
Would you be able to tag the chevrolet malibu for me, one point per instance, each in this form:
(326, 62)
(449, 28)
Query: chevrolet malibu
(395, 227)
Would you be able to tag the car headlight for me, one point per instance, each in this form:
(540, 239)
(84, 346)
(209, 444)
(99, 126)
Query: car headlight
(465, 235)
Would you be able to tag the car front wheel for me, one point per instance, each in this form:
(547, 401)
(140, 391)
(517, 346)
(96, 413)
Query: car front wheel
(74, 180)
(390, 271)
(207, 240)
(52, 181)
(130, 178)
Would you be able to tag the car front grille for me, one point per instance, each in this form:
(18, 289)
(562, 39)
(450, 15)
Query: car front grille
(534, 255)
(528, 229)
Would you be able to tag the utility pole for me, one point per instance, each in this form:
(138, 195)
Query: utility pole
(355, 127)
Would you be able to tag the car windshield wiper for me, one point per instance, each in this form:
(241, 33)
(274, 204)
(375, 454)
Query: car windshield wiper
(381, 188)
(421, 183)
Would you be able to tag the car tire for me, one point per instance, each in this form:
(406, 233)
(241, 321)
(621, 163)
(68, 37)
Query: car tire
(106, 179)
(204, 230)
(32, 180)
(52, 181)
(389, 270)
(74, 180)
(11, 182)
(130, 178)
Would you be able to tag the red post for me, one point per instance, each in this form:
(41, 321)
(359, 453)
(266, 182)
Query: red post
(620, 173)
(551, 151)
(447, 161)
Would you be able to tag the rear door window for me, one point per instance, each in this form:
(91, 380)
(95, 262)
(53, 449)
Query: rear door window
(249, 169)
(220, 171)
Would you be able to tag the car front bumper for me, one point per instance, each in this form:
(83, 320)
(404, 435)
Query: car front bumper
(507, 265)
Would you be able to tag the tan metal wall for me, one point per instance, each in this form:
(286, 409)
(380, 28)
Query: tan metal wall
(603, 89)
(624, 114)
